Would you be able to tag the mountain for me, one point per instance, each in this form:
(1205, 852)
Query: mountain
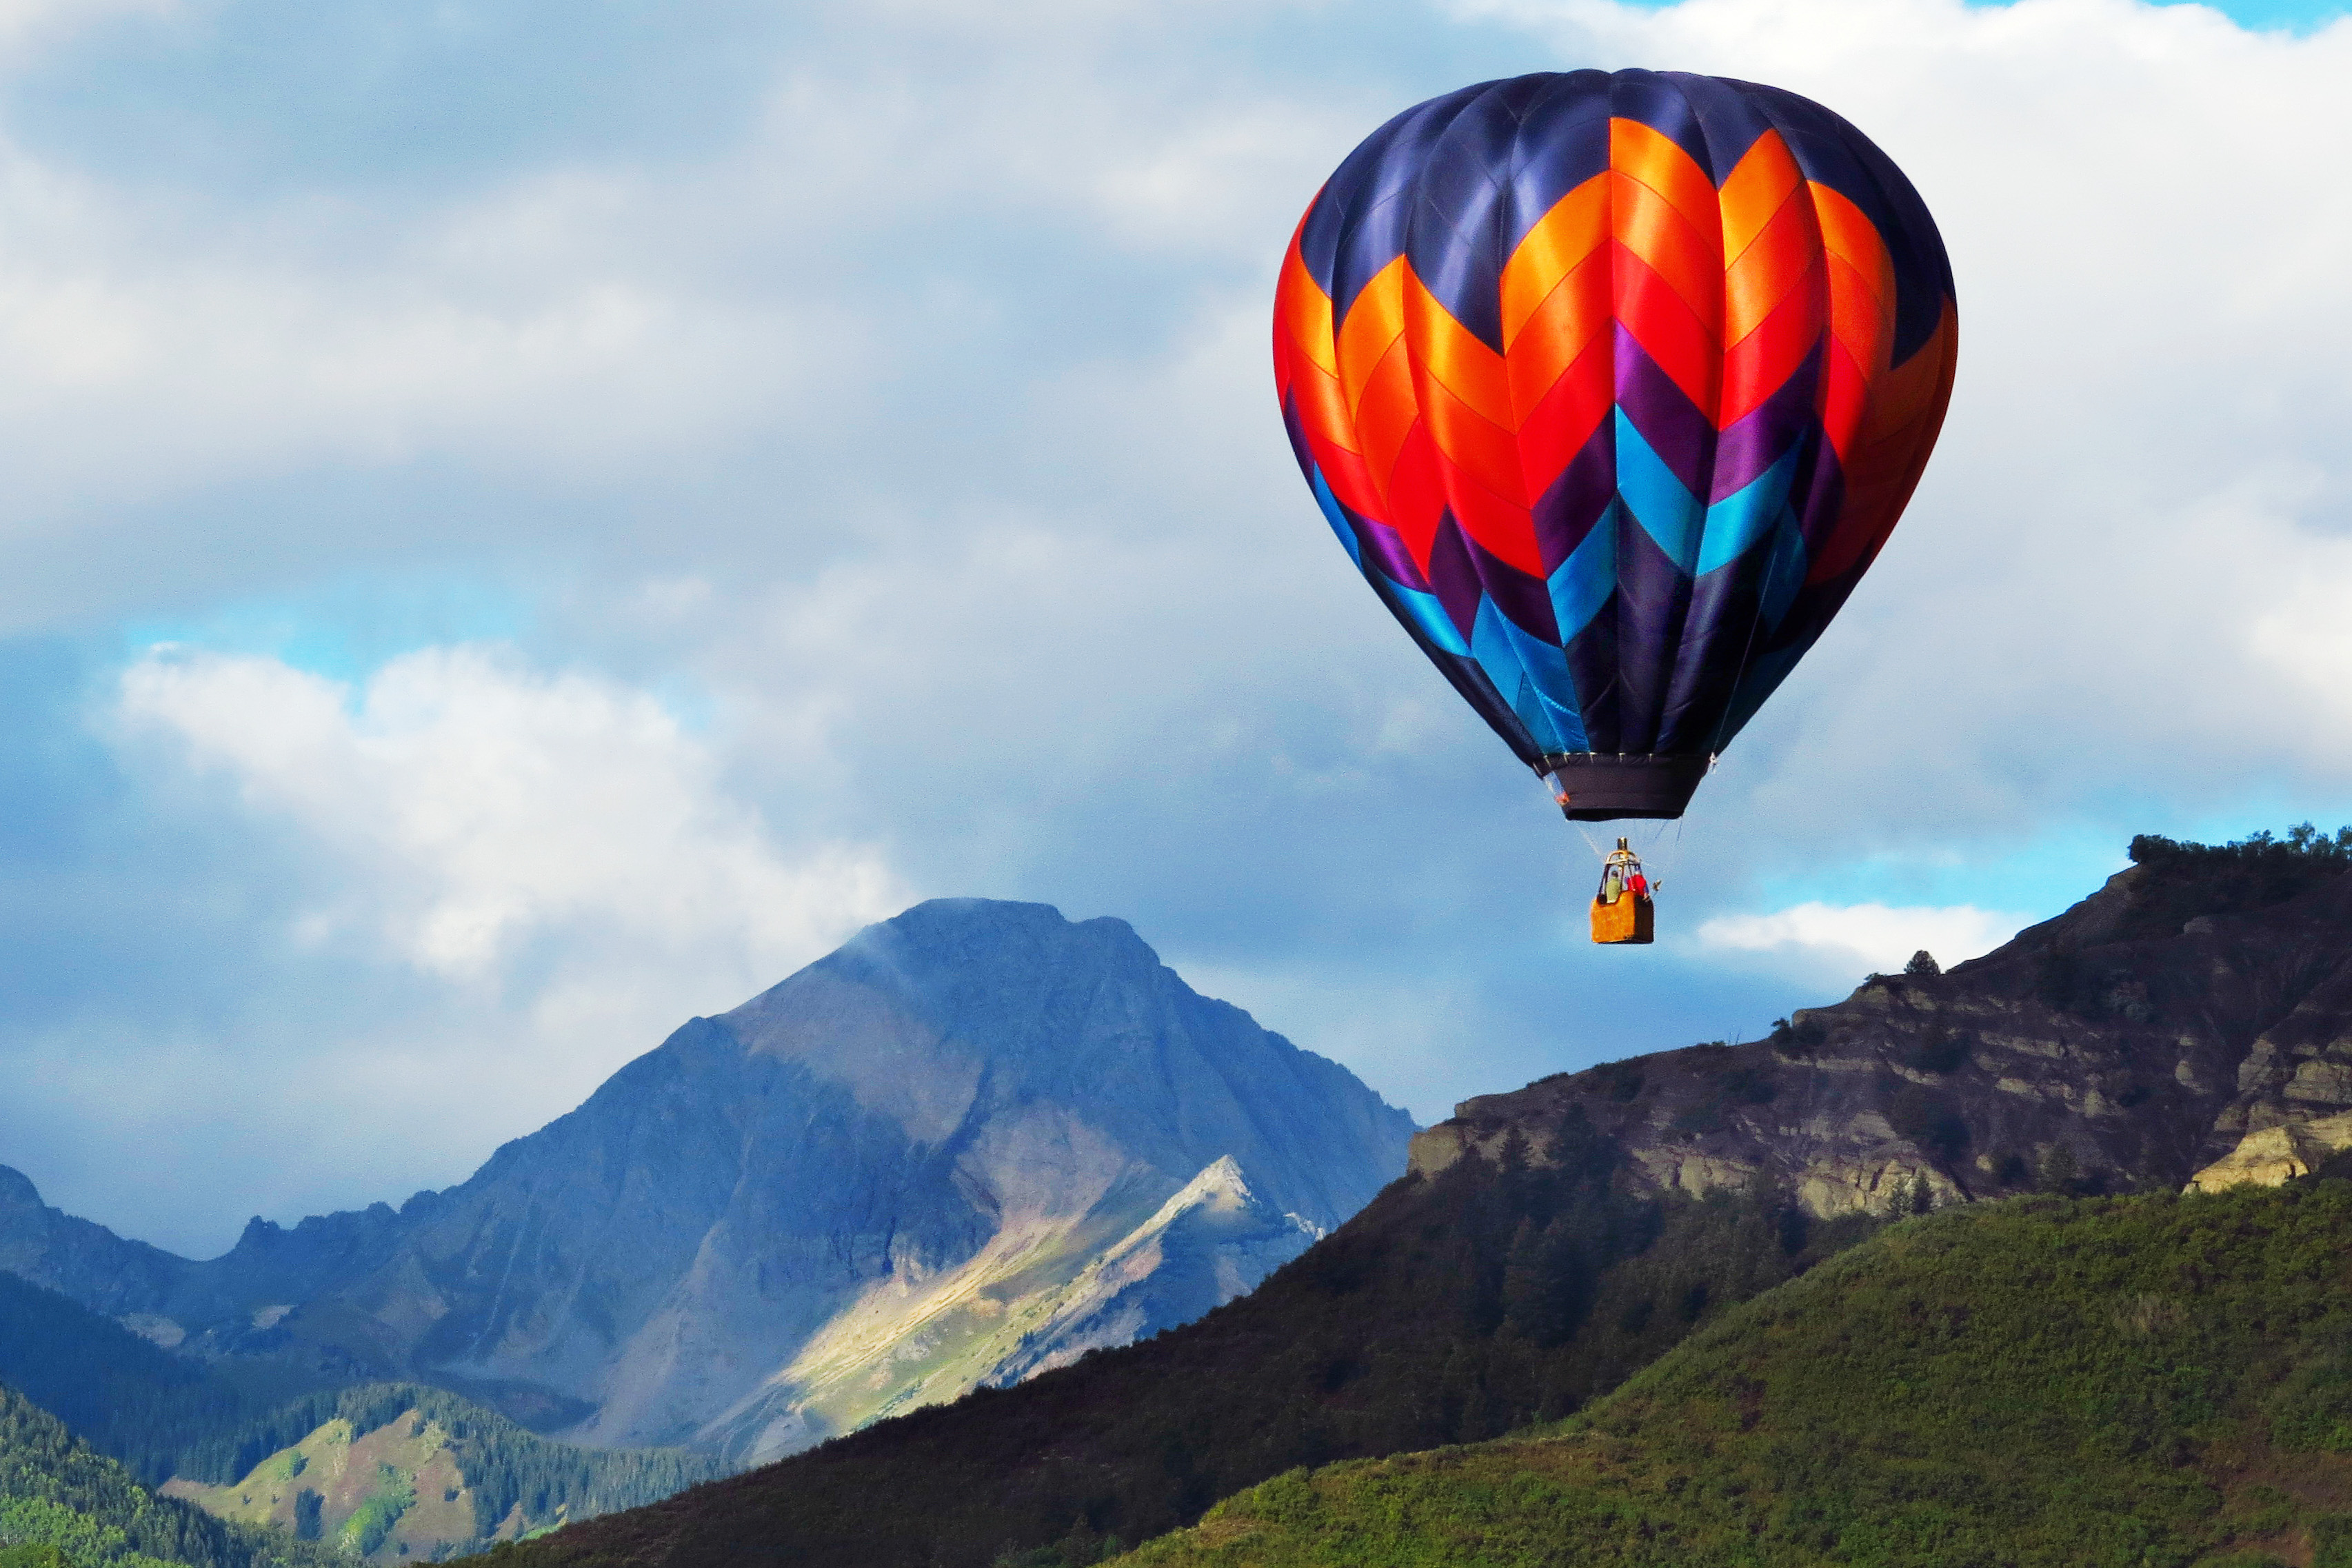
(973, 1143)
(1549, 1242)
(2147, 1380)
(1455, 1307)
(2182, 1023)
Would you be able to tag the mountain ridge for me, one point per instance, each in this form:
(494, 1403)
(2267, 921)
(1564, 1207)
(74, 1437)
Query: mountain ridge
(1548, 1242)
(2200, 997)
(972, 1100)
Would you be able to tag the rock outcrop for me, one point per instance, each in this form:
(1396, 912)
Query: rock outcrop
(2192, 1022)
(975, 1141)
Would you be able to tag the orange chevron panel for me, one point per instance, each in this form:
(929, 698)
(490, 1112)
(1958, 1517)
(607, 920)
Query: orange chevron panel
(1758, 186)
(1656, 161)
(1303, 312)
(1858, 318)
(1562, 240)
(1470, 442)
(1416, 496)
(1559, 333)
(1322, 406)
(1649, 310)
(1687, 259)
(1447, 352)
(1783, 253)
(1321, 409)
(1556, 428)
(1374, 322)
(1854, 240)
(1760, 364)
(1386, 413)
(1323, 417)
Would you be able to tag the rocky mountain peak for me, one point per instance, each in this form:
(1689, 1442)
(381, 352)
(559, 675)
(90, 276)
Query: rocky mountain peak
(826, 1205)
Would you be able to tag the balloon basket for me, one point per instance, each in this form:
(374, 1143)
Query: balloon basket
(1631, 919)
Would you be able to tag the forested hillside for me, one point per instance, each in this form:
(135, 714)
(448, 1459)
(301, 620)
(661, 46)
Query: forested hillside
(164, 1416)
(418, 1470)
(58, 1492)
(1452, 1309)
(158, 1414)
(2157, 1380)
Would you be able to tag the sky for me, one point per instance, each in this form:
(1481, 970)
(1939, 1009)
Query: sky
(526, 523)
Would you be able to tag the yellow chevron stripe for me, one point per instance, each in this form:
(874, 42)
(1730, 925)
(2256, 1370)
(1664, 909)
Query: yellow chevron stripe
(1765, 176)
(1306, 313)
(1375, 321)
(1576, 226)
(1451, 354)
(1853, 239)
(1657, 161)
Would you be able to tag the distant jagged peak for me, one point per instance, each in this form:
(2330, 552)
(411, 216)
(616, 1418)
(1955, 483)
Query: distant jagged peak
(1222, 1190)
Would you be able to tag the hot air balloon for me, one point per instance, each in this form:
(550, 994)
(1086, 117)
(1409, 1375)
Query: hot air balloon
(1612, 384)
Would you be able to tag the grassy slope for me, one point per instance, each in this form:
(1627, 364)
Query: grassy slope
(394, 1469)
(2148, 1381)
(1455, 1307)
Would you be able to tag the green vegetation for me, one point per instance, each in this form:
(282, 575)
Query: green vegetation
(162, 1416)
(66, 1536)
(2251, 873)
(394, 1495)
(76, 1505)
(2156, 1380)
(144, 1405)
(1455, 1307)
(503, 1464)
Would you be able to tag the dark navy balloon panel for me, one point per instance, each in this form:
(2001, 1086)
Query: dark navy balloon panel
(1612, 386)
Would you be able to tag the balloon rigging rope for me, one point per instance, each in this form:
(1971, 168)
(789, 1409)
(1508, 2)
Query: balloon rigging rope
(1673, 851)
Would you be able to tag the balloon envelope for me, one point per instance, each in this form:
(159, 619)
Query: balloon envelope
(1612, 386)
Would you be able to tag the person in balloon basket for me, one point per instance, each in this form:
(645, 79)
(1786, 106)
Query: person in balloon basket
(1622, 909)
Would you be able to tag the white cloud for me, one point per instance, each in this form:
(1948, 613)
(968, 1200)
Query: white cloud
(479, 806)
(1849, 939)
(515, 882)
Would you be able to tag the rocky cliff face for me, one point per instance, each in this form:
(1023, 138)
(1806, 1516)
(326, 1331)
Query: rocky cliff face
(2190, 1021)
(974, 1142)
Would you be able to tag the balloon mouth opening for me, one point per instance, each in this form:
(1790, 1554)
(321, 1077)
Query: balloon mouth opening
(1611, 786)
